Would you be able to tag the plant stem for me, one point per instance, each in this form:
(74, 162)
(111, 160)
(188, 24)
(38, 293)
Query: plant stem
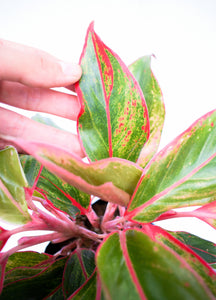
(91, 234)
(51, 209)
(108, 215)
(28, 241)
(111, 225)
(93, 218)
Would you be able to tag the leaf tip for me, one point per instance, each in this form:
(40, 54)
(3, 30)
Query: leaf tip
(91, 26)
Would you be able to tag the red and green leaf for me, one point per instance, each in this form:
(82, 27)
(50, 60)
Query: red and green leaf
(203, 248)
(141, 69)
(194, 260)
(62, 195)
(137, 264)
(31, 275)
(12, 183)
(78, 269)
(180, 175)
(113, 120)
(88, 290)
(111, 179)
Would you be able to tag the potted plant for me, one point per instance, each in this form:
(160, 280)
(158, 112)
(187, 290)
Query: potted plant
(111, 248)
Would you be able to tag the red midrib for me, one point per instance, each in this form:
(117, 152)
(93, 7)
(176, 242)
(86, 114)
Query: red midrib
(73, 201)
(96, 39)
(136, 211)
(122, 238)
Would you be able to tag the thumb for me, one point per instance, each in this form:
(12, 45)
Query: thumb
(34, 67)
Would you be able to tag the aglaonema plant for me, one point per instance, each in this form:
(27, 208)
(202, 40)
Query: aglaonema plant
(111, 248)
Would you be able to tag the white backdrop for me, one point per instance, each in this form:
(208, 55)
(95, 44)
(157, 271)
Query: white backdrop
(181, 34)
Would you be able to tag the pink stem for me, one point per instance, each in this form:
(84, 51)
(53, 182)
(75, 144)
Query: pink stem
(93, 218)
(55, 224)
(28, 241)
(25, 242)
(51, 209)
(111, 225)
(179, 214)
(91, 234)
(66, 249)
(2, 276)
(121, 210)
(110, 211)
(108, 215)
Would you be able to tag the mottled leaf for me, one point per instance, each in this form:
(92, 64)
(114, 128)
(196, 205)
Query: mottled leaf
(113, 121)
(111, 179)
(134, 264)
(80, 266)
(61, 194)
(13, 207)
(26, 259)
(141, 69)
(182, 174)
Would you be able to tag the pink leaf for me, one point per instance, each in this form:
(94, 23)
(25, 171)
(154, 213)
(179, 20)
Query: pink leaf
(112, 179)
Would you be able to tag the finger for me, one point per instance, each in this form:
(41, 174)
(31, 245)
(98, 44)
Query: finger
(39, 99)
(4, 143)
(34, 67)
(15, 125)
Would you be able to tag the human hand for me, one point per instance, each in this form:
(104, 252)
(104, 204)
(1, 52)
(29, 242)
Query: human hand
(26, 76)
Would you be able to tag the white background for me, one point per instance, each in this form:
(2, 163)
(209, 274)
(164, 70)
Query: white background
(181, 34)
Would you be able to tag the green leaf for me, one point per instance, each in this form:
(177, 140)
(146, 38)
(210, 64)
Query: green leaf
(135, 265)
(13, 207)
(195, 261)
(44, 120)
(141, 69)
(30, 167)
(31, 275)
(56, 295)
(80, 266)
(88, 290)
(25, 259)
(113, 121)
(203, 248)
(180, 175)
(61, 194)
(115, 276)
(111, 179)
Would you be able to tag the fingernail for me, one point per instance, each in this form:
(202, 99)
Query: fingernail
(71, 70)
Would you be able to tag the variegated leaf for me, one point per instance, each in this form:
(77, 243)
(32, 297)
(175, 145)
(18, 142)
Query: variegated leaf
(113, 121)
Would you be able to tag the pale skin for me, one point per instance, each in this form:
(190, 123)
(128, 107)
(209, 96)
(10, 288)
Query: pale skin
(26, 76)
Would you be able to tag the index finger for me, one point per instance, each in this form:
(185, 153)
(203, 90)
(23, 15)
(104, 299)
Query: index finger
(26, 129)
(34, 67)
